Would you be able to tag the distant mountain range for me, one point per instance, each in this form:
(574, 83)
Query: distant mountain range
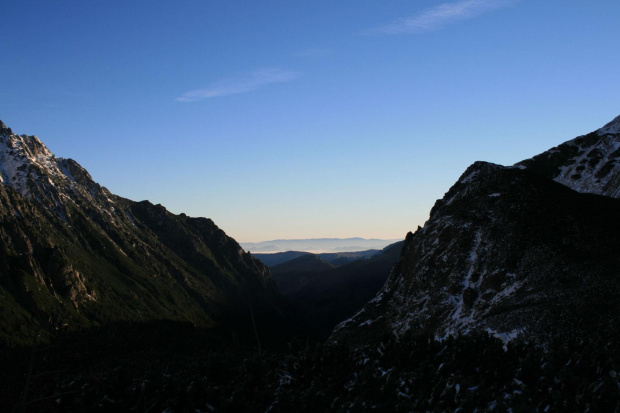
(318, 245)
(335, 258)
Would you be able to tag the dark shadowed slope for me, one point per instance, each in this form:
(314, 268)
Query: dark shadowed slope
(511, 252)
(325, 294)
(73, 255)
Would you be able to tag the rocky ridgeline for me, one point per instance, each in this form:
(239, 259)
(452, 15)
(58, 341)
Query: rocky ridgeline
(514, 252)
(74, 255)
(588, 164)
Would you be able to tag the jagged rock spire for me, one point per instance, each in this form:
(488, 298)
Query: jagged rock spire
(4, 130)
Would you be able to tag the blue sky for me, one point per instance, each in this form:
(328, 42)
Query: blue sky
(304, 119)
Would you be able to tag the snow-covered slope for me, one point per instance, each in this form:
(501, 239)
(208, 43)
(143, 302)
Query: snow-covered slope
(29, 167)
(588, 164)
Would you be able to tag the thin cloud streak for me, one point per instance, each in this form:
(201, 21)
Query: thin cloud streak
(442, 15)
(249, 83)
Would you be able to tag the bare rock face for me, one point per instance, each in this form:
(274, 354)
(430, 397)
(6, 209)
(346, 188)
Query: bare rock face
(513, 251)
(73, 255)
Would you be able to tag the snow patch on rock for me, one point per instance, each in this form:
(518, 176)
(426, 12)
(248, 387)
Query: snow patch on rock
(612, 128)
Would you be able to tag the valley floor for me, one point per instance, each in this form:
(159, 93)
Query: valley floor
(175, 368)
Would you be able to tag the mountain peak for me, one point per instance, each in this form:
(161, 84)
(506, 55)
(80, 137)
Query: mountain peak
(588, 163)
(24, 160)
(4, 130)
(612, 128)
(30, 168)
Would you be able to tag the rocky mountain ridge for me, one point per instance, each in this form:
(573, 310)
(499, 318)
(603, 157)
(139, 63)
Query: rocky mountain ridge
(587, 164)
(73, 255)
(512, 251)
(29, 167)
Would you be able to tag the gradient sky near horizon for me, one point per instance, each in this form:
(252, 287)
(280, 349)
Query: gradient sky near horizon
(282, 119)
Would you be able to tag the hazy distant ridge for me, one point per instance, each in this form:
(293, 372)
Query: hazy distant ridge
(318, 245)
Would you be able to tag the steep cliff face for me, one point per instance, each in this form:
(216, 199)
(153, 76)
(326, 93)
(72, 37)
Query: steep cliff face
(74, 255)
(513, 252)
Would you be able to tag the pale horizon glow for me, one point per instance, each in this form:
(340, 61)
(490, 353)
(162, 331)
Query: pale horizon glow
(298, 120)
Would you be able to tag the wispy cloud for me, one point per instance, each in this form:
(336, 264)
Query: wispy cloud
(442, 15)
(242, 84)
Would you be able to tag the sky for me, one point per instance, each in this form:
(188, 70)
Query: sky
(314, 119)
